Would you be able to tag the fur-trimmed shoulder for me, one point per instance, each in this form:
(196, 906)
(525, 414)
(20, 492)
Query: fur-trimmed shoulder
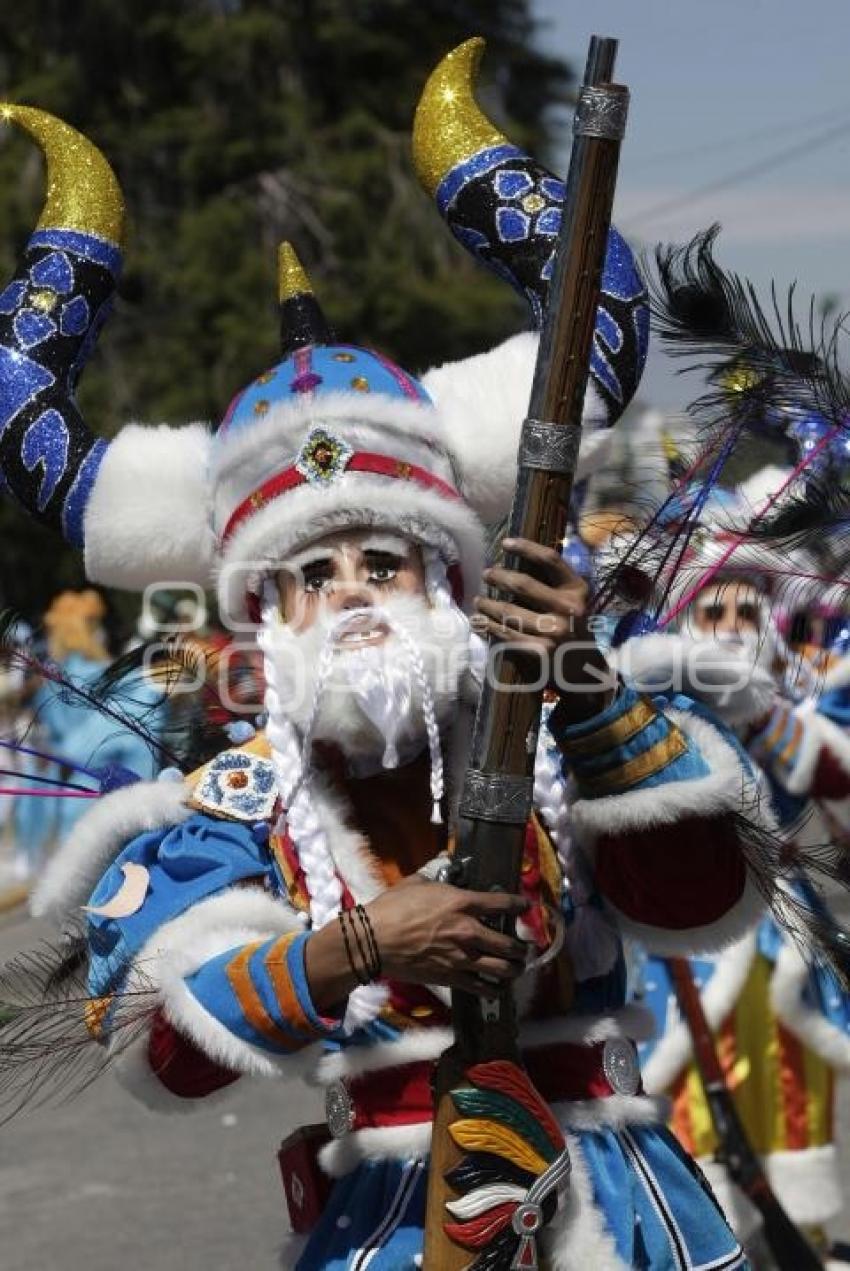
(722, 789)
(99, 836)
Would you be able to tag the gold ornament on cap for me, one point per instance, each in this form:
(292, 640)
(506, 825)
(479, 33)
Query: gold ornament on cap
(292, 279)
(82, 190)
(449, 125)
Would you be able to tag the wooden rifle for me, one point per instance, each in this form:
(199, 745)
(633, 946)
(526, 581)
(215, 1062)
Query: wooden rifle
(497, 794)
(788, 1246)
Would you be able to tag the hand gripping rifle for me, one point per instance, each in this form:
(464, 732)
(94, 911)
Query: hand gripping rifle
(498, 1155)
(788, 1246)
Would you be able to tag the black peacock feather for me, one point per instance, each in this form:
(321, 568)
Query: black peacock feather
(55, 1038)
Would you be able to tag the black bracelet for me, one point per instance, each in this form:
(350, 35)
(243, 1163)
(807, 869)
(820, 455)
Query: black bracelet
(376, 964)
(362, 977)
(364, 953)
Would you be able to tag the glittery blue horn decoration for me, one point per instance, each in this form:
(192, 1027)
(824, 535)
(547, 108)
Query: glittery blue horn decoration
(506, 210)
(50, 315)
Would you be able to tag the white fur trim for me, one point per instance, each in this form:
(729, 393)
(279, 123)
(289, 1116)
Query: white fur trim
(723, 789)
(633, 1021)
(358, 500)
(807, 1184)
(578, 1236)
(675, 1049)
(809, 1026)
(99, 836)
(133, 1072)
(723, 678)
(148, 517)
(414, 1045)
(410, 432)
(405, 430)
(231, 918)
(711, 938)
(395, 1142)
(482, 402)
(400, 1141)
(612, 1112)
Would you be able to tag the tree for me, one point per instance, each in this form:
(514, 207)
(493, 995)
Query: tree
(233, 125)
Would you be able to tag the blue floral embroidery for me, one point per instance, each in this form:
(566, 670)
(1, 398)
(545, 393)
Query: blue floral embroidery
(239, 785)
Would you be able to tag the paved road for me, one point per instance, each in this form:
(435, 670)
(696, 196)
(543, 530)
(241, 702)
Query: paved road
(101, 1184)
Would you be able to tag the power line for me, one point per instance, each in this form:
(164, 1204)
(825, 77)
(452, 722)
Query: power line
(711, 147)
(743, 174)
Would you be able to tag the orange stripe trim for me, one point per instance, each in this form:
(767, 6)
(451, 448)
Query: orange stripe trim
(792, 1083)
(275, 964)
(239, 975)
(680, 1118)
(792, 745)
(776, 731)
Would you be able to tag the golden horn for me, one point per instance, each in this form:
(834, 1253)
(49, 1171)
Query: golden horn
(449, 125)
(292, 279)
(82, 190)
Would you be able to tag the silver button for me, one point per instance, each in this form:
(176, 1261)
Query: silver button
(620, 1065)
(339, 1109)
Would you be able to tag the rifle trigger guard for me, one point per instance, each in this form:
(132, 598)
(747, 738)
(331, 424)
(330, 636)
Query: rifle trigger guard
(535, 964)
(549, 447)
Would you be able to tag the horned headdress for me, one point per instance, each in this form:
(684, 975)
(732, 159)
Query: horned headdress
(333, 434)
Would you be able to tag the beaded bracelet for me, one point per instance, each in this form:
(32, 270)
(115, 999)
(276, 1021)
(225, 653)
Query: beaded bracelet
(361, 976)
(375, 965)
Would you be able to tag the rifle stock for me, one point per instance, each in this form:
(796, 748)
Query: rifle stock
(788, 1246)
(496, 800)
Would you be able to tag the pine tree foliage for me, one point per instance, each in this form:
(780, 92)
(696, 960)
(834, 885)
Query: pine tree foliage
(233, 124)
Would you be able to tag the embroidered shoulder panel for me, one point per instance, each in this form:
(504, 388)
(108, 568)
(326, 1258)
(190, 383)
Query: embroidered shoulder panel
(238, 784)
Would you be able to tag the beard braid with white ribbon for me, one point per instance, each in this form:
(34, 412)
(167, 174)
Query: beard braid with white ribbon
(370, 699)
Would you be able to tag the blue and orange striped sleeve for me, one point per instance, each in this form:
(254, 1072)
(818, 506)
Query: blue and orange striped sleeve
(259, 993)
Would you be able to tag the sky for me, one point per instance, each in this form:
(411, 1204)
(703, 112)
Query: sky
(719, 87)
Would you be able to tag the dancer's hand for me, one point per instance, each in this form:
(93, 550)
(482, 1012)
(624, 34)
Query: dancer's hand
(545, 617)
(433, 933)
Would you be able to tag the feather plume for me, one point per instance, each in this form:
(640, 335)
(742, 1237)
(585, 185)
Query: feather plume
(55, 1038)
(714, 318)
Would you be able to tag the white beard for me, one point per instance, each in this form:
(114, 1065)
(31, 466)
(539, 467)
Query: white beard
(371, 703)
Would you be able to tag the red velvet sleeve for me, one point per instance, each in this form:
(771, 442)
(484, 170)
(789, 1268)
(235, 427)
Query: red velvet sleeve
(675, 877)
(831, 780)
(180, 1066)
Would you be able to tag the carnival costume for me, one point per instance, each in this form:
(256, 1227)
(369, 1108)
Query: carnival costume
(202, 893)
(781, 1018)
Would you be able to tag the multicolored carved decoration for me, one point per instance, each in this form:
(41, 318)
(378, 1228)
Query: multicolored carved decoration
(505, 208)
(50, 316)
(515, 1160)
